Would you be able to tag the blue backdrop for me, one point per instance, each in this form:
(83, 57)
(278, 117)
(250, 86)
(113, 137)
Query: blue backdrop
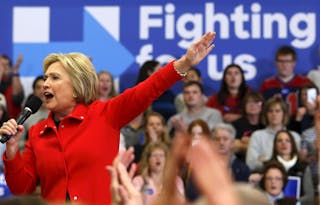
(120, 35)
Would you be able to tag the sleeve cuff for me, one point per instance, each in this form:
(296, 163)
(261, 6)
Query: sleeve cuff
(12, 165)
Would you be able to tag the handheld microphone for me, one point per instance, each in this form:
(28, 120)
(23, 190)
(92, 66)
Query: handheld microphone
(32, 106)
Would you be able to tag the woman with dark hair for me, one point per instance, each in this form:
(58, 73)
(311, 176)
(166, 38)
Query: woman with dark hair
(273, 182)
(164, 104)
(303, 119)
(232, 91)
(248, 123)
(286, 152)
(147, 69)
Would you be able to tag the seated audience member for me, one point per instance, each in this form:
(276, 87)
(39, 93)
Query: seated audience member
(224, 135)
(287, 82)
(285, 151)
(197, 130)
(151, 178)
(193, 98)
(106, 88)
(232, 91)
(303, 119)
(155, 130)
(3, 118)
(165, 103)
(133, 131)
(3, 109)
(314, 75)
(41, 114)
(194, 74)
(248, 123)
(273, 182)
(275, 116)
(309, 153)
(11, 85)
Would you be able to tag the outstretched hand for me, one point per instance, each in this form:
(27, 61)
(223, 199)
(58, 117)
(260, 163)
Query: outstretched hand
(197, 51)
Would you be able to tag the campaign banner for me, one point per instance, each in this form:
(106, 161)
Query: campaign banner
(120, 35)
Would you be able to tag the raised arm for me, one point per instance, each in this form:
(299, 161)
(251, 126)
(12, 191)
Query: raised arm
(133, 101)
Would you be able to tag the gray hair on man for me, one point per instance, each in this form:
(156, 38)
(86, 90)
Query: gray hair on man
(225, 126)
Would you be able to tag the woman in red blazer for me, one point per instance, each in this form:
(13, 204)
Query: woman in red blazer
(67, 153)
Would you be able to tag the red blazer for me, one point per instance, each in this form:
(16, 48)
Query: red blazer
(73, 158)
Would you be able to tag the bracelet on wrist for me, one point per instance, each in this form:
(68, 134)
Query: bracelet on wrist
(182, 74)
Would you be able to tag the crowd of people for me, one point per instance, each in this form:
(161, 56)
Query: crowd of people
(174, 149)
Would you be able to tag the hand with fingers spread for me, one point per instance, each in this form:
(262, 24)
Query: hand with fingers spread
(196, 52)
(122, 190)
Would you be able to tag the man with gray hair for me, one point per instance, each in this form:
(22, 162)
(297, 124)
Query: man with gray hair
(224, 136)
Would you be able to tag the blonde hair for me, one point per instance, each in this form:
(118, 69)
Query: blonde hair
(164, 137)
(269, 104)
(82, 74)
(147, 151)
(113, 92)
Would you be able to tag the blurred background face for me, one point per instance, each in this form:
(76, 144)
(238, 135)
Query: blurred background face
(285, 65)
(196, 133)
(223, 140)
(105, 84)
(38, 89)
(1, 111)
(253, 107)
(155, 123)
(157, 67)
(273, 182)
(5, 64)
(275, 115)
(192, 76)
(157, 160)
(233, 77)
(192, 96)
(283, 144)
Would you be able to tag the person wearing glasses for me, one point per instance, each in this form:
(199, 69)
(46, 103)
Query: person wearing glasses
(287, 82)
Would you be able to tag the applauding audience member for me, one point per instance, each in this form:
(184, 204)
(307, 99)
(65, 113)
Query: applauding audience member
(151, 178)
(11, 85)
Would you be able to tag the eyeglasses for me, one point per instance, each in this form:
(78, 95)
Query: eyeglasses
(285, 61)
(277, 179)
(157, 155)
(254, 103)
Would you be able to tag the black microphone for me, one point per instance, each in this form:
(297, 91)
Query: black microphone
(32, 106)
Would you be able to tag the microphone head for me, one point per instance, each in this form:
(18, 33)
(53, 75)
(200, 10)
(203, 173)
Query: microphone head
(34, 103)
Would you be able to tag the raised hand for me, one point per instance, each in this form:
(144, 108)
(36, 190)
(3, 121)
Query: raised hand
(196, 52)
(122, 190)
